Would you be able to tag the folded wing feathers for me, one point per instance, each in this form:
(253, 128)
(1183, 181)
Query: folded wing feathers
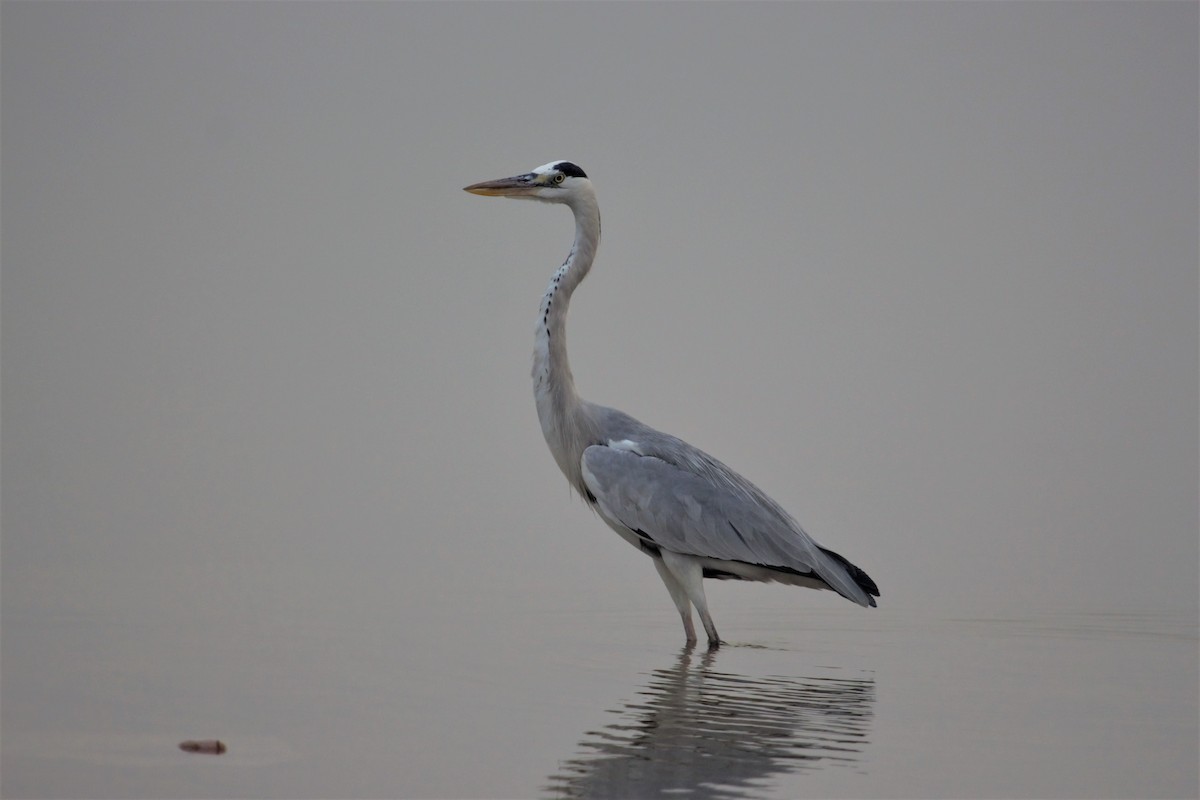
(690, 503)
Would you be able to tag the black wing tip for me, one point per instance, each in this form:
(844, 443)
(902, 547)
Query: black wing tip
(857, 574)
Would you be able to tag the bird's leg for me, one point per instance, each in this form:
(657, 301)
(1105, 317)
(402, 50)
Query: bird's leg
(689, 630)
(714, 641)
(688, 575)
(679, 595)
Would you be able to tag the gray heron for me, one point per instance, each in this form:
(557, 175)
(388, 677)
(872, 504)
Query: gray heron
(695, 517)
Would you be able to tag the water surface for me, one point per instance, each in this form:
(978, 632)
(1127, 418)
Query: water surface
(808, 699)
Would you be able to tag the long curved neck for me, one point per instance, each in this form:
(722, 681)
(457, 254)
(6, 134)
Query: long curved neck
(558, 404)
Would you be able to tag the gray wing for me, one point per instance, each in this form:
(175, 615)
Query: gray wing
(682, 500)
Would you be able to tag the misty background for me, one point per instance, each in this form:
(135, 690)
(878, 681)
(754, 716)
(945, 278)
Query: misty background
(271, 470)
(925, 272)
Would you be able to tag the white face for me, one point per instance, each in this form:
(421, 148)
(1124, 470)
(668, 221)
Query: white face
(552, 182)
(547, 169)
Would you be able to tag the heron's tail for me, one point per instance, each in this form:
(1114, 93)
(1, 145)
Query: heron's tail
(857, 575)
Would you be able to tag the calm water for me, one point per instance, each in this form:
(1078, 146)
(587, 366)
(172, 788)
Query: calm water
(810, 699)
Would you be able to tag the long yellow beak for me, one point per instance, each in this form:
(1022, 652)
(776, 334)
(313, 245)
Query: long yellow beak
(516, 186)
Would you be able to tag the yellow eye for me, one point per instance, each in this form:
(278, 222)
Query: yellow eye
(559, 177)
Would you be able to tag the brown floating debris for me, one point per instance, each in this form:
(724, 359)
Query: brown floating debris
(211, 746)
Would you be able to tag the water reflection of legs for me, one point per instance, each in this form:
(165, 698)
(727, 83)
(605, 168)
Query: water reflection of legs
(718, 734)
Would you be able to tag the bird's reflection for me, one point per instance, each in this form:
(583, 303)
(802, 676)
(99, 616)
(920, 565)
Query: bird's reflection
(698, 731)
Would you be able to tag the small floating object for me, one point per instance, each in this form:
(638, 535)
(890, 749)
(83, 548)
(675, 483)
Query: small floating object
(211, 746)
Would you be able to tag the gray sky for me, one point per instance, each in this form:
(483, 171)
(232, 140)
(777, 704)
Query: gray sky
(927, 273)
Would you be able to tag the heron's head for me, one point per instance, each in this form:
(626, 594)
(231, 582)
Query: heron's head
(556, 182)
